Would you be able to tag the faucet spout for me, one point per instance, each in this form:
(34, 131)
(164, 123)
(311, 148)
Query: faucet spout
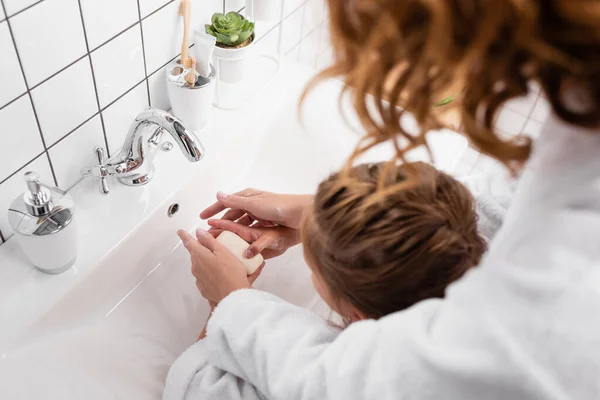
(163, 121)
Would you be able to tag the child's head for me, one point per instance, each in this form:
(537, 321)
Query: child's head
(375, 251)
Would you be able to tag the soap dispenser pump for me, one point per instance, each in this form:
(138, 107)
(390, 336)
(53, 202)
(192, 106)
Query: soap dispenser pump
(43, 219)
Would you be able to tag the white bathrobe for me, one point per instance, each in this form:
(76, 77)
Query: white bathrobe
(525, 325)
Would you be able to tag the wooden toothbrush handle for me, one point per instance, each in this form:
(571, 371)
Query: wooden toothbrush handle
(186, 28)
(190, 64)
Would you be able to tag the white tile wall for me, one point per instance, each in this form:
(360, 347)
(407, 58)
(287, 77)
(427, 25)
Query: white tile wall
(11, 78)
(61, 105)
(292, 29)
(119, 65)
(106, 18)
(14, 6)
(162, 39)
(290, 5)
(293, 55)
(158, 90)
(117, 117)
(74, 74)
(267, 40)
(524, 115)
(49, 36)
(21, 140)
(76, 151)
(147, 7)
(309, 48)
(510, 122)
(234, 5)
(314, 14)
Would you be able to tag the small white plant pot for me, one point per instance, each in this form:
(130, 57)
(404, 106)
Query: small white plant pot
(192, 105)
(232, 64)
(263, 10)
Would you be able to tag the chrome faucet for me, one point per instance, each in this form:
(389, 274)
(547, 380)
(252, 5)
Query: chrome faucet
(134, 165)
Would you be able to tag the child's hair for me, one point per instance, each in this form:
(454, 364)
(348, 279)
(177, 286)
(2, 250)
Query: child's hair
(384, 251)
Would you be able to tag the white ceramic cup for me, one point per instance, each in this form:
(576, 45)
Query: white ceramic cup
(191, 105)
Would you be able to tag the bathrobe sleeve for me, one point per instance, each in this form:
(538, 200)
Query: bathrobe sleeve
(193, 377)
(286, 352)
(215, 367)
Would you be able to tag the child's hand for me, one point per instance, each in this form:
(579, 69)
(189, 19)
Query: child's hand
(268, 241)
(217, 271)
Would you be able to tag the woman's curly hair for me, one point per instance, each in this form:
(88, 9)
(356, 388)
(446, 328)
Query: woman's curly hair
(409, 52)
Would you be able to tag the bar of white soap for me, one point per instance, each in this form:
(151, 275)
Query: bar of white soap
(238, 246)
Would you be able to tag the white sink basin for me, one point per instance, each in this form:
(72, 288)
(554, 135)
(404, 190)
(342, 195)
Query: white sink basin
(118, 319)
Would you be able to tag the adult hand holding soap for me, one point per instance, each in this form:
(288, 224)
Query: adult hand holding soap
(238, 246)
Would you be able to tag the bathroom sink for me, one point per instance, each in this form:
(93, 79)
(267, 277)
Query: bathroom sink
(130, 300)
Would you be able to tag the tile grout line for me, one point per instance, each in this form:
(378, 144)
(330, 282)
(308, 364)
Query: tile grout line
(300, 42)
(115, 36)
(102, 110)
(303, 6)
(144, 54)
(24, 9)
(167, 63)
(89, 55)
(73, 130)
(13, 100)
(58, 72)
(37, 120)
(158, 9)
(531, 113)
(23, 167)
(303, 20)
(280, 25)
(2, 240)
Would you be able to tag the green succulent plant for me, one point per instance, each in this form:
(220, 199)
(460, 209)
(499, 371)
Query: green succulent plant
(230, 29)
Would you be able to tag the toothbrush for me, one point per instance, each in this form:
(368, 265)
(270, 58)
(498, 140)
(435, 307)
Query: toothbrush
(184, 11)
(190, 65)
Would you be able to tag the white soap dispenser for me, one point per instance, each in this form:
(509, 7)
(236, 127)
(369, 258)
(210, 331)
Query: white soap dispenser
(43, 219)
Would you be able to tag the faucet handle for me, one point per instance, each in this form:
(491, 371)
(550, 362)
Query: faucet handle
(99, 171)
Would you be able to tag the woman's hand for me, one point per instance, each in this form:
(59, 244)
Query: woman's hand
(268, 208)
(218, 272)
(269, 242)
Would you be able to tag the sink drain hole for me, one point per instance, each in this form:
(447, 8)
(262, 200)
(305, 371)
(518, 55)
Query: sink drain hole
(173, 208)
